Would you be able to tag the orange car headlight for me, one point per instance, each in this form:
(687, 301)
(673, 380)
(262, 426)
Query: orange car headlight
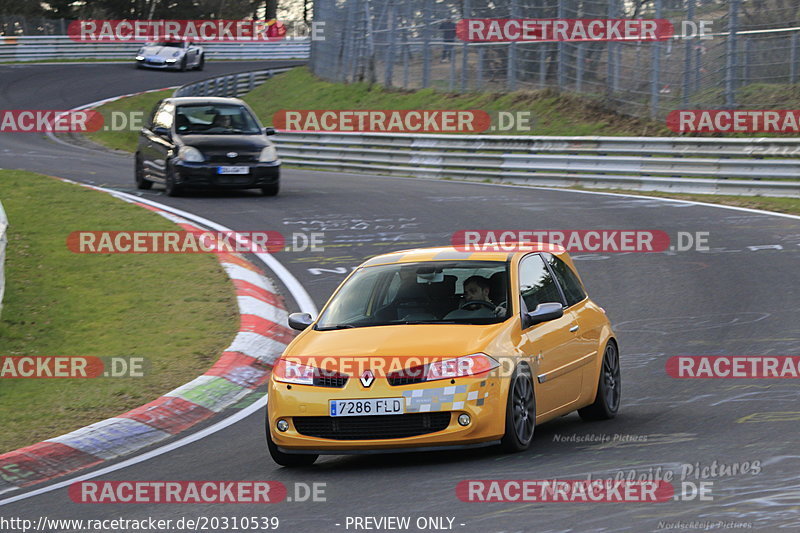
(292, 372)
(457, 367)
(289, 372)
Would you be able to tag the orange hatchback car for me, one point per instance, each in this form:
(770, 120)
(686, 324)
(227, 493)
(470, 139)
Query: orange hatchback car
(439, 348)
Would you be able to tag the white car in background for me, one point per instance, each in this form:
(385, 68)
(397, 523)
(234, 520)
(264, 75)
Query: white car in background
(181, 55)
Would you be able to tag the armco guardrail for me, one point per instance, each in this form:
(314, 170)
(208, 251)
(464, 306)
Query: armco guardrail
(756, 166)
(228, 85)
(3, 241)
(37, 48)
(725, 166)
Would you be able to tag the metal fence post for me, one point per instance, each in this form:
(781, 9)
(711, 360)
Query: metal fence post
(511, 71)
(452, 66)
(745, 61)
(543, 48)
(407, 22)
(579, 68)
(467, 11)
(730, 65)
(656, 72)
(389, 56)
(793, 59)
(612, 13)
(349, 42)
(427, 17)
(687, 58)
(479, 73)
(560, 54)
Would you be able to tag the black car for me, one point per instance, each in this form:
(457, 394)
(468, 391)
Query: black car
(206, 142)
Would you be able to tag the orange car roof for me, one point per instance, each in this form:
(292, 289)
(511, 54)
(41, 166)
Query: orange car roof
(502, 252)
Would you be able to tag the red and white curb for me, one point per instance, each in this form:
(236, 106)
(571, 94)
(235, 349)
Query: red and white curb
(243, 366)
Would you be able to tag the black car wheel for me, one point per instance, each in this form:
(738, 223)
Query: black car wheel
(141, 181)
(287, 459)
(271, 190)
(202, 62)
(520, 412)
(172, 187)
(183, 64)
(609, 388)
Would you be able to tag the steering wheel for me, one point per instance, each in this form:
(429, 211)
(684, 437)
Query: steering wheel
(484, 303)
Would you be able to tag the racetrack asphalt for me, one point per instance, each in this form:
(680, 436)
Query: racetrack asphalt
(739, 298)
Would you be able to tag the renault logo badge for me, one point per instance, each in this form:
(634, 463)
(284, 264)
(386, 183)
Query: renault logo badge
(367, 378)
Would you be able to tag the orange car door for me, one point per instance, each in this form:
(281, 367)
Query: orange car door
(552, 346)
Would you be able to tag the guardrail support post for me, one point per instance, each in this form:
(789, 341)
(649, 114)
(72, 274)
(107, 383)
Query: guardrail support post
(793, 59)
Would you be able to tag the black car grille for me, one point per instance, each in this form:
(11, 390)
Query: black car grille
(408, 376)
(324, 379)
(224, 159)
(405, 380)
(371, 427)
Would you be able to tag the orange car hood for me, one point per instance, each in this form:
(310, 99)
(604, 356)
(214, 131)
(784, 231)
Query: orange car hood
(424, 340)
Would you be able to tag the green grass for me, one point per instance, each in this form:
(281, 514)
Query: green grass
(553, 114)
(178, 311)
(134, 107)
(779, 205)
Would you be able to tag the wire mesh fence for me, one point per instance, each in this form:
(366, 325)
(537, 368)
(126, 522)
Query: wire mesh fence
(413, 44)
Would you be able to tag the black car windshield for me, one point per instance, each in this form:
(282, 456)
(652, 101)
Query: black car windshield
(215, 119)
(170, 44)
(433, 292)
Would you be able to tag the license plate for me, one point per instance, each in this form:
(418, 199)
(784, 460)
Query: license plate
(233, 170)
(371, 406)
(155, 59)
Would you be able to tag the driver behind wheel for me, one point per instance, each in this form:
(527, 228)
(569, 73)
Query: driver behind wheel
(476, 288)
(476, 303)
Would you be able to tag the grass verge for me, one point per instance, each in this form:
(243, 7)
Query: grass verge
(790, 206)
(177, 311)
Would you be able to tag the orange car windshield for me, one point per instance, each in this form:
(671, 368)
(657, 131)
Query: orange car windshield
(433, 292)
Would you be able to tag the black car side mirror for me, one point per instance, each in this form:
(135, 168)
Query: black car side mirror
(162, 132)
(300, 321)
(542, 313)
(269, 131)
